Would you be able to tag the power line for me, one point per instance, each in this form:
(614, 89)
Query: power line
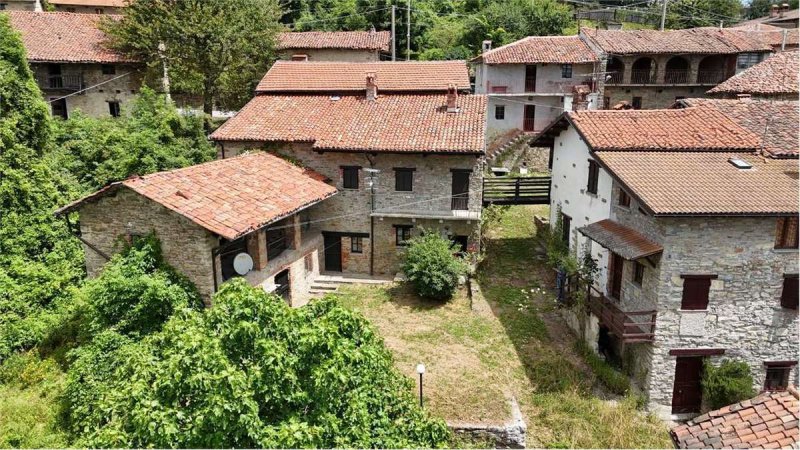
(90, 87)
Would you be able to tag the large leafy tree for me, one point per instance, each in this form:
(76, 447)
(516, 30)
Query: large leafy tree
(702, 13)
(248, 372)
(217, 49)
(508, 21)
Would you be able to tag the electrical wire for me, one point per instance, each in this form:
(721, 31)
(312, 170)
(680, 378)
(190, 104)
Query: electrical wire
(90, 87)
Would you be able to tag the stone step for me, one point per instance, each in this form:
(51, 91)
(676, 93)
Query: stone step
(334, 279)
(324, 286)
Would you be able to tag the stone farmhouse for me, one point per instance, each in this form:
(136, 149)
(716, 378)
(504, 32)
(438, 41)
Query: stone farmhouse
(71, 65)
(692, 215)
(88, 6)
(207, 215)
(775, 78)
(530, 82)
(401, 141)
(650, 69)
(351, 46)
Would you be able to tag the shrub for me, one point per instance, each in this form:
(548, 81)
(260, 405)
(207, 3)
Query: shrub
(728, 383)
(431, 266)
(614, 380)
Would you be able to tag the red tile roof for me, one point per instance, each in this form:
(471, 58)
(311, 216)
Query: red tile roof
(662, 129)
(767, 421)
(346, 40)
(229, 197)
(541, 49)
(776, 75)
(774, 121)
(64, 37)
(771, 34)
(706, 183)
(624, 241)
(693, 40)
(391, 123)
(414, 76)
(97, 3)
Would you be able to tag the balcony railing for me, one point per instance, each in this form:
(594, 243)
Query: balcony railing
(642, 77)
(459, 202)
(71, 82)
(629, 326)
(676, 76)
(710, 76)
(615, 78)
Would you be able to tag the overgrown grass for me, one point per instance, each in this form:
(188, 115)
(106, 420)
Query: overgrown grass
(614, 380)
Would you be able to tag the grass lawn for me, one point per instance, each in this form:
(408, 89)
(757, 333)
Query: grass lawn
(512, 343)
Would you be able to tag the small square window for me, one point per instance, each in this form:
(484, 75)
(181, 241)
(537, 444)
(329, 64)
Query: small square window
(404, 180)
(786, 234)
(778, 374)
(113, 109)
(638, 273)
(308, 261)
(3, 6)
(500, 112)
(350, 177)
(566, 71)
(624, 199)
(356, 244)
(402, 234)
(108, 69)
(695, 291)
(789, 297)
(594, 173)
(636, 103)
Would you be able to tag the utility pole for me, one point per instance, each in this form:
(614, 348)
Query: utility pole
(394, 38)
(663, 14)
(408, 32)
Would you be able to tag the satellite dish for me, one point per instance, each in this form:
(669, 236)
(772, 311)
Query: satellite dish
(242, 263)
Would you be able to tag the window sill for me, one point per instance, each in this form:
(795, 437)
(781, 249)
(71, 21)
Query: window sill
(592, 194)
(785, 250)
(693, 310)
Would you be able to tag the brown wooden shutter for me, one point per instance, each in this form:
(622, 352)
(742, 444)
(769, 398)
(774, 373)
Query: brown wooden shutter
(789, 296)
(695, 293)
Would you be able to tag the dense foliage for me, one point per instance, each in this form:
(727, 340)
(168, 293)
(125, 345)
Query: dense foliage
(216, 49)
(150, 137)
(249, 372)
(728, 383)
(432, 268)
(614, 380)
(702, 13)
(760, 8)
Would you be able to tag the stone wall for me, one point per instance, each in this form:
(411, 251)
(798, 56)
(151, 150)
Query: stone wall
(333, 54)
(653, 97)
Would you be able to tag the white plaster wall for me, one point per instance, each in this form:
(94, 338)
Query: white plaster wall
(547, 109)
(548, 77)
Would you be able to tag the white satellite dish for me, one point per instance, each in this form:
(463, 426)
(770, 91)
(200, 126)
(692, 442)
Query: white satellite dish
(242, 263)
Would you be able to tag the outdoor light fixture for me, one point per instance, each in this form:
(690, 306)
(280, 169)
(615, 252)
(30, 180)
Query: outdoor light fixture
(420, 371)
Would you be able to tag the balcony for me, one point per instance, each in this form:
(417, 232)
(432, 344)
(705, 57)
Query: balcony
(629, 326)
(642, 77)
(615, 78)
(710, 76)
(70, 82)
(676, 76)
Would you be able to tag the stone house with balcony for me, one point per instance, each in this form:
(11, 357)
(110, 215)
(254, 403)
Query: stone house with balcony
(350, 46)
(400, 140)
(774, 78)
(692, 216)
(73, 68)
(530, 82)
(244, 216)
(650, 69)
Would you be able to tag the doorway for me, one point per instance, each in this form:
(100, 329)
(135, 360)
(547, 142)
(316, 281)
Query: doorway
(530, 78)
(333, 252)
(460, 190)
(615, 276)
(58, 108)
(282, 287)
(687, 393)
(530, 116)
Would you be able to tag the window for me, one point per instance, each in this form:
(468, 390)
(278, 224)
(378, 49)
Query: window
(300, 57)
(624, 198)
(108, 69)
(3, 6)
(98, 10)
(113, 109)
(403, 179)
(638, 273)
(350, 177)
(356, 244)
(499, 112)
(636, 102)
(566, 222)
(402, 234)
(499, 89)
(778, 373)
(566, 71)
(695, 291)
(786, 233)
(789, 293)
(594, 172)
(746, 60)
(282, 286)
(59, 107)
(308, 260)
(606, 102)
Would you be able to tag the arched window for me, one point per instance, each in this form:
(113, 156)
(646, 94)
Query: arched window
(642, 71)
(615, 70)
(677, 71)
(711, 70)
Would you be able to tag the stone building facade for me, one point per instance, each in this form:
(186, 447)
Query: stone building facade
(88, 6)
(343, 46)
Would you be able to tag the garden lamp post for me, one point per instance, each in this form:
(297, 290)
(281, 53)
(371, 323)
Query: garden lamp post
(420, 371)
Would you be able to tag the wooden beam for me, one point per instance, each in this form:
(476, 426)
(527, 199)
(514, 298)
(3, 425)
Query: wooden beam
(696, 351)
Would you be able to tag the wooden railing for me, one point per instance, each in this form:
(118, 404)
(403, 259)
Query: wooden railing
(72, 82)
(642, 77)
(615, 77)
(629, 326)
(676, 76)
(516, 191)
(710, 76)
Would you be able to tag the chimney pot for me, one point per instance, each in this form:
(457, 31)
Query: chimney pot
(452, 98)
(487, 45)
(773, 11)
(372, 87)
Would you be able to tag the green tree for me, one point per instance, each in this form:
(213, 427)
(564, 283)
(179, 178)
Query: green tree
(217, 49)
(702, 13)
(248, 372)
(508, 21)
(39, 258)
(151, 137)
(728, 383)
(431, 266)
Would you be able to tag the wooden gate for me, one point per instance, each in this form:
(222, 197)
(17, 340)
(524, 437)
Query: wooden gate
(516, 191)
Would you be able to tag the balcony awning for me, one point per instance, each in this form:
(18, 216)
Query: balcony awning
(624, 241)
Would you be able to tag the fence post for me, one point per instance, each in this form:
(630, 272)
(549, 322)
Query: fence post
(516, 188)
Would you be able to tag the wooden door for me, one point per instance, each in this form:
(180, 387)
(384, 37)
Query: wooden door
(460, 190)
(530, 78)
(615, 275)
(687, 393)
(333, 253)
(530, 116)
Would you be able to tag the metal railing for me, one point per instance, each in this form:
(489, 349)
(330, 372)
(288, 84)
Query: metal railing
(642, 77)
(460, 202)
(70, 82)
(677, 76)
(710, 76)
(628, 326)
(615, 78)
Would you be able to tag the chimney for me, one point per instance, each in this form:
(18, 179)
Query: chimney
(452, 98)
(773, 11)
(743, 97)
(372, 87)
(784, 9)
(487, 45)
(580, 100)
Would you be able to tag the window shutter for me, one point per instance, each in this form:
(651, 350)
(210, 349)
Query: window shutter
(695, 293)
(789, 296)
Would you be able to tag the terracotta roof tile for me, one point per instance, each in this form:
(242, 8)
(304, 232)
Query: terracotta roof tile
(541, 49)
(778, 118)
(668, 130)
(328, 76)
(624, 241)
(64, 37)
(229, 197)
(345, 40)
(774, 76)
(684, 435)
(706, 183)
(693, 40)
(98, 3)
(392, 123)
